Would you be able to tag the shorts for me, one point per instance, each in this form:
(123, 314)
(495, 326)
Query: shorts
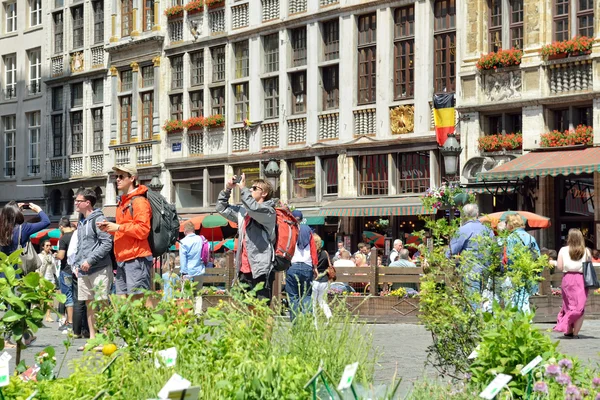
(133, 276)
(65, 280)
(95, 285)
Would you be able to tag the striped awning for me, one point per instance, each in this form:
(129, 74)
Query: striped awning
(544, 163)
(374, 208)
(494, 190)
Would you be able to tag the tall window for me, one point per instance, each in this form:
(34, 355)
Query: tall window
(373, 175)
(445, 45)
(242, 62)
(57, 98)
(271, 46)
(177, 72)
(573, 18)
(148, 15)
(58, 31)
(98, 91)
(241, 101)
(495, 25)
(561, 20)
(331, 88)
(98, 121)
(271, 87)
(330, 169)
(33, 120)
(35, 12)
(516, 24)
(77, 13)
(98, 7)
(77, 95)
(126, 80)
(413, 172)
(197, 61)
(218, 61)
(10, 73)
(148, 76)
(125, 119)
(147, 115)
(35, 71)
(331, 40)
(298, 47)
(404, 52)
(197, 103)
(176, 107)
(10, 145)
(367, 58)
(57, 136)
(298, 80)
(126, 17)
(303, 179)
(10, 10)
(585, 18)
(77, 132)
(217, 100)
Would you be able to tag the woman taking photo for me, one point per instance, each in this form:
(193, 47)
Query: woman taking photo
(574, 294)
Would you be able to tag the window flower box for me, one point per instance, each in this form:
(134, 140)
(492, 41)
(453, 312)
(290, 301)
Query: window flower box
(174, 12)
(580, 135)
(173, 126)
(579, 45)
(194, 123)
(214, 3)
(511, 141)
(214, 121)
(500, 59)
(446, 196)
(194, 7)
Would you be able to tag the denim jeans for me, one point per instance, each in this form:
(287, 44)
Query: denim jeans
(65, 280)
(298, 286)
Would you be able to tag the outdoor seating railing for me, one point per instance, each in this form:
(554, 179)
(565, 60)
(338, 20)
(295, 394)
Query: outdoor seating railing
(554, 280)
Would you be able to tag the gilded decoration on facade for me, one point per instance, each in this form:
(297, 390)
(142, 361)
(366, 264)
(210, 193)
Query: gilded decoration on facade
(134, 66)
(114, 71)
(402, 119)
(156, 61)
(77, 62)
(499, 86)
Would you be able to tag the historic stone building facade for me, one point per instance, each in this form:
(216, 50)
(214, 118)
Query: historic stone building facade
(538, 96)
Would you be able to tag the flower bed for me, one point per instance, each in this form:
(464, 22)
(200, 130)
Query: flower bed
(511, 141)
(174, 12)
(194, 6)
(580, 135)
(173, 125)
(571, 47)
(499, 59)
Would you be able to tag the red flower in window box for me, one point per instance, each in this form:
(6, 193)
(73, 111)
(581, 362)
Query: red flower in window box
(174, 12)
(173, 126)
(501, 58)
(195, 6)
(510, 141)
(579, 45)
(214, 3)
(194, 123)
(214, 121)
(580, 135)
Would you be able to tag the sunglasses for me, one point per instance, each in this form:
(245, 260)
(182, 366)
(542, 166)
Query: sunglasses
(254, 188)
(121, 177)
(79, 201)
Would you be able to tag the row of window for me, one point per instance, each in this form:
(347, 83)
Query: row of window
(34, 71)
(9, 129)
(77, 20)
(570, 18)
(76, 99)
(560, 119)
(77, 132)
(32, 9)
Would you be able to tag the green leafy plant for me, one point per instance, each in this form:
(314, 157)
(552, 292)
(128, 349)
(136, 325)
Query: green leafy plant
(24, 301)
(445, 195)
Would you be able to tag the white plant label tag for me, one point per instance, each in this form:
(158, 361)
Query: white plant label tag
(474, 353)
(191, 393)
(4, 369)
(168, 356)
(348, 376)
(175, 383)
(532, 364)
(495, 386)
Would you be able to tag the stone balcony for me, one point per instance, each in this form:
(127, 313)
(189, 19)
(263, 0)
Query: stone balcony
(140, 154)
(570, 75)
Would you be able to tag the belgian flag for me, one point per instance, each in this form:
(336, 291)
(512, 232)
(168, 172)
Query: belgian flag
(444, 116)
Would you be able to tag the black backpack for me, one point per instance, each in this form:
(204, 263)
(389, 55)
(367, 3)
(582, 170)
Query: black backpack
(164, 224)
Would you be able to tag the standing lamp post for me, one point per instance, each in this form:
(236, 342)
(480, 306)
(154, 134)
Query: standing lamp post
(156, 186)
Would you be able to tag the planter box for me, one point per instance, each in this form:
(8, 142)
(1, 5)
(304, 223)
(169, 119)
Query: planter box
(547, 307)
(174, 16)
(382, 309)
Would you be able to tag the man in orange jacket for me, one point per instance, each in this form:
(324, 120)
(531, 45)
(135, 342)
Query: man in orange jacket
(131, 232)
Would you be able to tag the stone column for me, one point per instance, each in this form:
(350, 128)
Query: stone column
(283, 182)
(596, 125)
(347, 74)
(134, 26)
(533, 126)
(424, 61)
(313, 85)
(135, 69)
(114, 105)
(384, 93)
(318, 180)
(156, 97)
(113, 22)
(156, 26)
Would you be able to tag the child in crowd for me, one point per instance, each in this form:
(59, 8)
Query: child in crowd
(170, 278)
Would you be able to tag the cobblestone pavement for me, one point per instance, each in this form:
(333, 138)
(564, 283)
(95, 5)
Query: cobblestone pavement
(402, 349)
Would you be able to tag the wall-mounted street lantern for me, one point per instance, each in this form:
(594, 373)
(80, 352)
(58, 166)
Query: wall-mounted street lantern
(272, 173)
(155, 184)
(451, 151)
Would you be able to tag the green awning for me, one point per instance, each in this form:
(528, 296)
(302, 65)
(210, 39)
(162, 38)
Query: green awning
(314, 221)
(375, 207)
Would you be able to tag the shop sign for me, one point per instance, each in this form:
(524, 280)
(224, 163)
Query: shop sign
(175, 147)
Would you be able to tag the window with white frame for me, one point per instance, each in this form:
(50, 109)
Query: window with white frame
(10, 145)
(33, 120)
(98, 121)
(35, 71)
(10, 76)
(10, 11)
(35, 12)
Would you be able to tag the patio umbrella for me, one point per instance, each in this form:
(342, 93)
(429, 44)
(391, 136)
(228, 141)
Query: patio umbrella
(216, 228)
(374, 239)
(230, 244)
(197, 221)
(532, 220)
(52, 234)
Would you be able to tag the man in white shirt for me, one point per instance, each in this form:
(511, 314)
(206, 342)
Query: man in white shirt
(344, 260)
(395, 253)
